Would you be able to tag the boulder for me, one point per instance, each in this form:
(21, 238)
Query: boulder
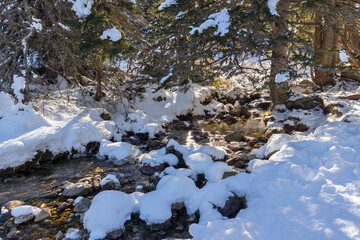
(147, 169)
(241, 112)
(307, 102)
(305, 87)
(23, 218)
(236, 94)
(42, 215)
(77, 189)
(237, 146)
(234, 137)
(82, 206)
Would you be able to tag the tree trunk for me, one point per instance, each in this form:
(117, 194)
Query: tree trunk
(278, 94)
(326, 45)
(99, 93)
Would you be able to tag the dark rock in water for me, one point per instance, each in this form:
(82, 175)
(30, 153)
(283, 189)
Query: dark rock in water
(49, 195)
(237, 146)
(309, 102)
(77, 189)
(263, 105)
(115, 234)
(232, 206)
(105, 116)
(179, 125)
(241, 112)
(13, 234)
(155, 144)
(4, 217)
(229, 119)
(93, 147)
(234, 137)
(150, 170)
(82, 206)
(160, 226)
(142, 136)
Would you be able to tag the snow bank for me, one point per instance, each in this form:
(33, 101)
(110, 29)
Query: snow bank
(24, 210)
(272, 6)
(309, 189)
(155, 207)
(117, 151)
(82, 7)
(109, 178)
(40, 133)
(108, 212)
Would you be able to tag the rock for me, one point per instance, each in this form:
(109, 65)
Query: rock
(147, 169)
(263, 105)
(13, 234)
(232, 206)
(142, 136)
(155, 144)
(59, 235)
(4, 217)
(13, 204)
(241, 112)
(236, 94)
(82, 206)
(72, 233)
(237, 146)
(115, 234)
(273, 130)
(177, 206)
(229, 119)
(234, 137)
(334, 109)
(305, 87)
(105, 116)
(308, 102)
(50, 195)
(351, 97)
(160, 226)
(63, 206)
(77, 189)
(23, 218)
(42, 215)
(109, 185)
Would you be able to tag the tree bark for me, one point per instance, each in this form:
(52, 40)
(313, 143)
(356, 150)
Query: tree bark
(326, 45)
(278, 94)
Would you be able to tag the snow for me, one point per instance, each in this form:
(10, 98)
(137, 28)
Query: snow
(109, 178)
(24, 210)
(112, 33)
(36, 24)
(155, 207)
(18, 85)
(67, 28)
(117, 151)
(108, 212)
(75, 234)
(272, 6)
(157, 157)
(281, 77)
(221, 20)
(162, 80)
(307, 190)
(82, 7)
(343, 56)
(166, 4)
(78, 199)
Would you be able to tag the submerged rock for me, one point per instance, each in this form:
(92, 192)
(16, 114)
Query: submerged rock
(274, 130)
(147, 169)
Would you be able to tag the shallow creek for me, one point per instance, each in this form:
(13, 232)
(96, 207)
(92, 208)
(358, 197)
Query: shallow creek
(42, 186)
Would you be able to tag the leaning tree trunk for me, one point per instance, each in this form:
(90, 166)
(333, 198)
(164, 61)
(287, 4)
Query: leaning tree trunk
(326, 46)
(278, 94)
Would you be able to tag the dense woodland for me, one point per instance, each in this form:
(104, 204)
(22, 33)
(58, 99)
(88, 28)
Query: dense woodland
(159, 39)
